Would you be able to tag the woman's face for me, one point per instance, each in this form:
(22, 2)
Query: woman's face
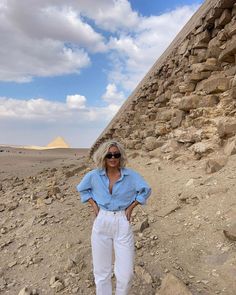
(113, 162)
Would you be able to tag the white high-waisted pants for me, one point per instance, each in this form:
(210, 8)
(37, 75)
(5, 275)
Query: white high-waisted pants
(112, 230)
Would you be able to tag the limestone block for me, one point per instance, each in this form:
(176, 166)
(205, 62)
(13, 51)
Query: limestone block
(202, 39)
(177, 117)
(183, 48)
(215, 84)
(160, 99)
(234, 88)
(200, 53)
(209, 65)
(193, 59)
(171, 285)
(165, 115)
(230, 28)
(226, 3)
(150, 143)
(186, 87)
(227, 55)
(196, 77)
(234, 10)
(196, 101)
(226, 127)
(225, 18)
(214, 49)
(161, 130)
(214, 13)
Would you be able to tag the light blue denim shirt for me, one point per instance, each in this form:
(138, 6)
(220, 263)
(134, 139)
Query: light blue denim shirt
(130, 187)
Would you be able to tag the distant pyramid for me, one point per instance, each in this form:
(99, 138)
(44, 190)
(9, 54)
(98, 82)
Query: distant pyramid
(58, 142)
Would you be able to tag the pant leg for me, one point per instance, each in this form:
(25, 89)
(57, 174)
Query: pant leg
(102, 258)
(124, 256)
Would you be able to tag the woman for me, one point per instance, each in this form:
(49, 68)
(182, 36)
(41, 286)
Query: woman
(113, 191)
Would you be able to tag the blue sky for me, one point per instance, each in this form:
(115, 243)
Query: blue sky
(67, 66)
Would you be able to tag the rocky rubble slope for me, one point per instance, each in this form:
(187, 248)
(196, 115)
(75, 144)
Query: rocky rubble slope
(184, 237)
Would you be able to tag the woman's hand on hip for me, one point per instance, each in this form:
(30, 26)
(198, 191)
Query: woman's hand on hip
(128, 210)
(94, 206)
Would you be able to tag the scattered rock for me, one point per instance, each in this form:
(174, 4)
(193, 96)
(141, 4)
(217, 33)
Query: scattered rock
(171, 285)
(230, 232)
(215, 164)
(167, 210)
(25, 291)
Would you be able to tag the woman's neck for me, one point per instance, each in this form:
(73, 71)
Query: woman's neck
(111, 170)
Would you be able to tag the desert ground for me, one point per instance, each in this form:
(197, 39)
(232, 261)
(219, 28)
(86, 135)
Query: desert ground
(184, 236)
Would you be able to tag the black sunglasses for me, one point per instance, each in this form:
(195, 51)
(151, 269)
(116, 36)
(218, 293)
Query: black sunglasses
(111, 155)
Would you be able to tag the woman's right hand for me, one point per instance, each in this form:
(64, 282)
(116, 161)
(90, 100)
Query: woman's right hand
(94, 206)
(96, 209)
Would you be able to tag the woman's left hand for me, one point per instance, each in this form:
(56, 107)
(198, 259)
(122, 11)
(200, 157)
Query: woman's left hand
(128, 212)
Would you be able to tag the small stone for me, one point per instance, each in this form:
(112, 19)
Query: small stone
(11, 264)
(48, 201)
(230, 232)
(25, 291)
(138, 245)
(58, 286)
(2, 207)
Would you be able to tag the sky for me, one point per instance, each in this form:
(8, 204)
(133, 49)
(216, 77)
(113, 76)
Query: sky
(66, 67)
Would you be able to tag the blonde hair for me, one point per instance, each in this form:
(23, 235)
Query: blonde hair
(100, 155)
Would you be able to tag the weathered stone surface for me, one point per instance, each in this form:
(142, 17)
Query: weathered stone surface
(143, 274)
(215, 164)
(224, 18)
(202, 39)
(214, 85)
(25, 291)
(170, 146)
(171, 285)
(186, 87)
(230, 232)
(231, 28)
(196, 101)
(183, 48)
(177, 117)
(226, 127)
(150, 143)
(195, 77)
(141, 226)
(230, 147)
(214, 49)
(202, 148)
(229, 52)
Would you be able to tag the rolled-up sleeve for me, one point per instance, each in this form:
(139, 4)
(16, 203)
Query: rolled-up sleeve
(142, 188)
(85, 188)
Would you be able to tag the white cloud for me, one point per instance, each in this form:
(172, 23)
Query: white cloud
(38, 121)
(112, 96)
(76, 101)
(135, 53)
(50, 111)
(112, 15)
(42, 38)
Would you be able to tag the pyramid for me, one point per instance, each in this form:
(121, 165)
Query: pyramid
(183, 92)
(58, 142)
